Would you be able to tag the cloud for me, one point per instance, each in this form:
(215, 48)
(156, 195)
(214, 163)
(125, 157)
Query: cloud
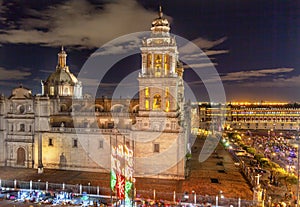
(7, 75)
(288, 82)
(250, 74)
(46, 71)
(200, 65)
(252, 78)
(273, 78)
(6, 83)
(92, 82)
(79, 23)
(190, 52)
(203, 44)
(215, 52)
(122, 46)
(207, 44)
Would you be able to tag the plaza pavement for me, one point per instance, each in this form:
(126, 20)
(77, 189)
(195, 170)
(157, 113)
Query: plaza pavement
(218, 166)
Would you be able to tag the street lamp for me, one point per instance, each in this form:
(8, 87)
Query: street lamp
(89, 184)
(39, 184)
(194, 196)
(38, 193)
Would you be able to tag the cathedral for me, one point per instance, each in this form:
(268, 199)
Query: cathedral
(62, 128)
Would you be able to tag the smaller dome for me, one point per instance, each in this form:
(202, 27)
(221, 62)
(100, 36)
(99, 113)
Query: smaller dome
(160, 24)
(21, 93)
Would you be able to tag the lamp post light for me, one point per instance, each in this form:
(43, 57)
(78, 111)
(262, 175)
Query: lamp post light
(38, 193)
(89, 186)
(39, 184)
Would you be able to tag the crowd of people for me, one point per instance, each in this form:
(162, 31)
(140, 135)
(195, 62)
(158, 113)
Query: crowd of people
(276, 148)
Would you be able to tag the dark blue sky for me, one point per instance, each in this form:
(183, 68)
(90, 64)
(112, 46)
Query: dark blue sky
(255, 44)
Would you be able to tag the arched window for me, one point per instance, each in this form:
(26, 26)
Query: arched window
(147, 104)
(149, 60)
(66, 91)
(51, 91)
(156, 102)
(167, 64)
(158, 64)
(167, 105)
(147, 92)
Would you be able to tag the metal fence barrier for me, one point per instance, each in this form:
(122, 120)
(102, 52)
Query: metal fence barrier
(152, 195)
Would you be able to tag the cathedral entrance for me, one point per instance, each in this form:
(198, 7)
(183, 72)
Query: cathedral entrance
(21, 156)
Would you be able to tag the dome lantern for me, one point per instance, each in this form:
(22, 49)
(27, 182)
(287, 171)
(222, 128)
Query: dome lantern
(160, 24)
(62, 59)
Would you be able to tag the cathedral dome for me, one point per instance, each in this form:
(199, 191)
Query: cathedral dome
(160, 24)
(62, 82)
(62, 76)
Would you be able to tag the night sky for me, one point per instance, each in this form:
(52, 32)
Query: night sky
(254, 44)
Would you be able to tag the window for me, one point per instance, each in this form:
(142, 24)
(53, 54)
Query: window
(51, 90)
(156, 148)
(147, 92)
(127, 143)
(12, 128)
(167, 105)
(66, 91)
(158, 60)
(167, 92)
(167, 64)
(158, 64)
(50, 142)
(101, 144)
(22, 127)
(21, 109)
(149, 60)
(30, 128)
(75, 143)
(147, 104)
(156, 102)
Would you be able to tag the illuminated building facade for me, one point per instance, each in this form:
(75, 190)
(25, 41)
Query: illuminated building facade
(252, 116)
(161, 106)
(41, 131)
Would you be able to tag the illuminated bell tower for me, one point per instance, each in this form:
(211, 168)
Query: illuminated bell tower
(160, 81)
(160, 128)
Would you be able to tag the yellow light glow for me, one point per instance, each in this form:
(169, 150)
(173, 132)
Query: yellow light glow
(167, 105)
(147, 104)
(147, 92)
